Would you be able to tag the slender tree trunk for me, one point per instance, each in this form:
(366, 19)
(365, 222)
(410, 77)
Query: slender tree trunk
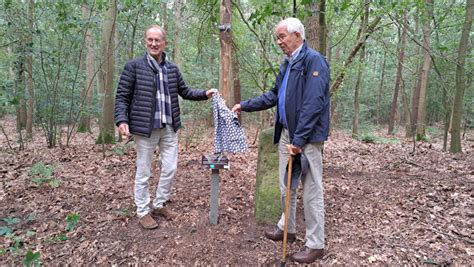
(398, 80)
(131, 50)
(355, 118)
(88, 65)
(425, 70)
(362, 30)
(177, 18)
(107, 131)
(236, 81)
(29, 70)
(381, 85)
(225, 75)
(455, 146)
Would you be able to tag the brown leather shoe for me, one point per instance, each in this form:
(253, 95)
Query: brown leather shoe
(165, 212)
(308, 255)
(148, 222)
(277, 235)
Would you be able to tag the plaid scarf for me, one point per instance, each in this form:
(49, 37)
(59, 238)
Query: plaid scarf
(163, 99)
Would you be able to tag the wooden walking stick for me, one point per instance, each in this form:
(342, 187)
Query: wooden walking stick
(287, 207)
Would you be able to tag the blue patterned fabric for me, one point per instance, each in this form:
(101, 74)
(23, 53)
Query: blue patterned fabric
(228, 134)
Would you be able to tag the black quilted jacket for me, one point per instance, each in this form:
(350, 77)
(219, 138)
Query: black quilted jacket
(136, 96)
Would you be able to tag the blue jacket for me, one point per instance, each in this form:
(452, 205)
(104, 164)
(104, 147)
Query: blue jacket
(136, 95)
(306, 99)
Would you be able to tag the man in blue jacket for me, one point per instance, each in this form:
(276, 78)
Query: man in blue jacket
(301, 95)
(146, 105)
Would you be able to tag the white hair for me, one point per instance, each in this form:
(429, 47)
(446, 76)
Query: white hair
(293, 25)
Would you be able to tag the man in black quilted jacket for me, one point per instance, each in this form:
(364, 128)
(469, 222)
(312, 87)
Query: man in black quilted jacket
(146, 105)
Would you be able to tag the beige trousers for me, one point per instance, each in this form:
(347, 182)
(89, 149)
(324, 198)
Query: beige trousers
(313, 197)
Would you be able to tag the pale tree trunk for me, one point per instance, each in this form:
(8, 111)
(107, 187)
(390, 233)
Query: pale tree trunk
(88, 65)
(398, 79)
(29, 70)
(455, 146)
(362, 30)
(381, 85)
(225, 73)
(425, 70)
(107, 131)
(178, 5)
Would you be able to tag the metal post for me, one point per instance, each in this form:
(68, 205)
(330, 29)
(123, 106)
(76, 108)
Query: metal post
(214, 214)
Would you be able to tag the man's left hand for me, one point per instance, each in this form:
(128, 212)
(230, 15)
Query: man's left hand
(211, 92)
(293, 150)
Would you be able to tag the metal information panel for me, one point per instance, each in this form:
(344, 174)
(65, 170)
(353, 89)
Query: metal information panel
(215, 162)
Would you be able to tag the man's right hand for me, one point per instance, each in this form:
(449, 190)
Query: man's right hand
(123, 130)
(236, 108)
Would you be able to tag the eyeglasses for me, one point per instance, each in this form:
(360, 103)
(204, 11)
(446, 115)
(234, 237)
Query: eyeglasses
(282, 36)
(157, 41)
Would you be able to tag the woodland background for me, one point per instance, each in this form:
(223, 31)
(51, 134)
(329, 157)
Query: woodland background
(402, 76)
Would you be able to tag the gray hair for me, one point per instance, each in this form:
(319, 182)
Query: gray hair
(293, 25)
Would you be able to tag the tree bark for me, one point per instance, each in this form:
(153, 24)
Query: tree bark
(107, 131)
(88, 65)
(381, 85)
(316, 26)
(362, 30)
(398, 79)
(425, 70)
(455, 146)
(177, 34)
(225, 73)
(29, 70)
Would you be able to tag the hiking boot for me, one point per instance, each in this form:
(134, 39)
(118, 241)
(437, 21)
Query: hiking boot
(148, 222)
(165, 212)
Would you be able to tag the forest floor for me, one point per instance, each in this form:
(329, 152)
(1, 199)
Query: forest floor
(384, 205)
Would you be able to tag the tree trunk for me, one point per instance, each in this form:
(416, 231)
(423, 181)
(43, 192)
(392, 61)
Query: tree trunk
(398, 80)
(316, 26)
(107, 131)
(362, 30)
(131, 50)
(225, 75)
(29, 70)
(455, 146)
(380, 93)
(177, 18)
(88, 65)
(425, 70)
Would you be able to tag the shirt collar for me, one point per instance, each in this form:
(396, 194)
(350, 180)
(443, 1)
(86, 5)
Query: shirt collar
(295, 54)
